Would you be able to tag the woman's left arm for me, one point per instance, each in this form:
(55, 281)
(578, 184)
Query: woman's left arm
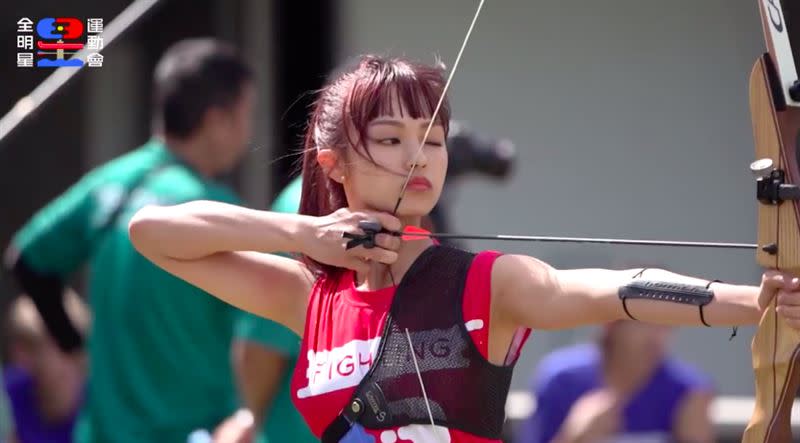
(529, 292)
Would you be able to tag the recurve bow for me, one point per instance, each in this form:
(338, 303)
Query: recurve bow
(775, 111)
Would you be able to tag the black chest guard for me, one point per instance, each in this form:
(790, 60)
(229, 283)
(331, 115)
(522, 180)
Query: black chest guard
(464, 390)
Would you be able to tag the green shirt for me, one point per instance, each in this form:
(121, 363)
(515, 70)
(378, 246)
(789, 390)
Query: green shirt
(289, 199)
(159, 348)
(282, 423)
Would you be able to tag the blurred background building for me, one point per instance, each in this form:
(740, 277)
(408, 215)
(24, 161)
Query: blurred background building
(630, 119)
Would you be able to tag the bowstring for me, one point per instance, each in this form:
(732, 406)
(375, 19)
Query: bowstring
(433, 120)
(438, 107)
(411, 173)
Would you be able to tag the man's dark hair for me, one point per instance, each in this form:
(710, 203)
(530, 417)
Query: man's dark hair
(193, 76)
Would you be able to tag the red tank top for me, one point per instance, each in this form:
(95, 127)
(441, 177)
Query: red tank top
(342, 333)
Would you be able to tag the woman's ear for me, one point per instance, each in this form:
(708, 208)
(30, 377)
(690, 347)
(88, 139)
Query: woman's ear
(328, 159)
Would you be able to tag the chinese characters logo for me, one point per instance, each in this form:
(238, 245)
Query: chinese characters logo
(56, 42)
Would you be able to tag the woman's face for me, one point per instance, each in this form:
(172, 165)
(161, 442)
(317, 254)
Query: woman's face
(394, 143)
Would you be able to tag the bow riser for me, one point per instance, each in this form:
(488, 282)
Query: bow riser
(776, 346)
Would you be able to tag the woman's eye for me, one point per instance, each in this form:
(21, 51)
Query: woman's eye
(389, 141)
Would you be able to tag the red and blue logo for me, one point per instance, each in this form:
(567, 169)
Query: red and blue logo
(60, 37)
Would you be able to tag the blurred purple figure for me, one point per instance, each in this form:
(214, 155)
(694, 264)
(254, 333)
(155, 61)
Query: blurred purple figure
(45, 386)
(623, 388)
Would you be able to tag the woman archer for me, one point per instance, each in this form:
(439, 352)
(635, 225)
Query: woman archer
(408, 340)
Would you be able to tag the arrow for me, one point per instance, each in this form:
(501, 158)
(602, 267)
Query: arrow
(411, 233)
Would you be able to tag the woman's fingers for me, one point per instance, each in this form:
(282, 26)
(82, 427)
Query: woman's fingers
(785, 288)
(771, 282)
(380, 255)
(386, 220)
(384, 246)
(387, 241)
(364, 258)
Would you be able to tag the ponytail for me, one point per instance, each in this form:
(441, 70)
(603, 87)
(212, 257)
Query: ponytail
(319, 195)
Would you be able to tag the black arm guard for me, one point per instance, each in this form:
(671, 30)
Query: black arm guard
(47, 293)
(666, 291)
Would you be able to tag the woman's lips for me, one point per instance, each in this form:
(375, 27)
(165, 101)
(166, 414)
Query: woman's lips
(419, 184)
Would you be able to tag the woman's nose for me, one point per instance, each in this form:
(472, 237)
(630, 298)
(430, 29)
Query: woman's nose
(416, 156)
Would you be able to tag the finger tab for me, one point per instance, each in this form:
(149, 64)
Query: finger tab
(367, 239)
(370, 226)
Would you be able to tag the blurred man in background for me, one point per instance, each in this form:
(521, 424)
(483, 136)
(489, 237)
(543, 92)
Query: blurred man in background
(623, 388)
(159, 349)
(45, 385)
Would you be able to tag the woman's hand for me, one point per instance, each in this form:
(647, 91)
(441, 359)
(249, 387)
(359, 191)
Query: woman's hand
(323, 240)
(786, 287)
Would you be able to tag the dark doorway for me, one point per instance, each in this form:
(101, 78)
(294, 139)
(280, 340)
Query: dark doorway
(306, 43)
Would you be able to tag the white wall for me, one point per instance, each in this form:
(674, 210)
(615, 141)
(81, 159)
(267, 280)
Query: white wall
(631, 119)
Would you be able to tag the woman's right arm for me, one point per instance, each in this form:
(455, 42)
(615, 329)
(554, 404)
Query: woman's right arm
(229, 251)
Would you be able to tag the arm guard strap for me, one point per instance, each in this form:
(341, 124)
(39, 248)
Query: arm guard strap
(667, 291)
